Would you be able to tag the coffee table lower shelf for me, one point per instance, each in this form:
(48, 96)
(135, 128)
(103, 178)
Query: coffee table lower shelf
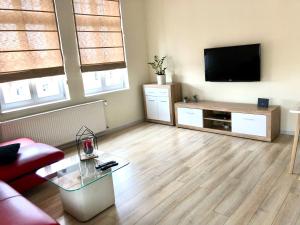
(87, 202)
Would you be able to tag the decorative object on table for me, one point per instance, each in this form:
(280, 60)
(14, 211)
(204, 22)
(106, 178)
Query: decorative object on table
(263, 102)
(195, 98)
(186, 99)
(160, 71)
(86, 143)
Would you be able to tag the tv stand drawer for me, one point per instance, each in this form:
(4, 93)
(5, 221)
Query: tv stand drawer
(190, 117)
(249, 124)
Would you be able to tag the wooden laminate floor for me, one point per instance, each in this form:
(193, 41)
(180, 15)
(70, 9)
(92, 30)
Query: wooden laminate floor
(180, 176)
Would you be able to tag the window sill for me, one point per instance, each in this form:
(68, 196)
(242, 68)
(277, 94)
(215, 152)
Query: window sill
(106, 92)
(33, 106)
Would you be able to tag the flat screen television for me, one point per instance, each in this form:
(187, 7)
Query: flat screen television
(233, 64)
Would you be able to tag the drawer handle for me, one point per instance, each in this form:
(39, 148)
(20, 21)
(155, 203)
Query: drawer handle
(163, 101)
(248, 119)
(191, 113)
(151, 100)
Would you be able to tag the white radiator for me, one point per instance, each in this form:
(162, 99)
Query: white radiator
(56, 127)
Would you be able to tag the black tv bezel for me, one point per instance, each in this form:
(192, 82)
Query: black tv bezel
(236, 80)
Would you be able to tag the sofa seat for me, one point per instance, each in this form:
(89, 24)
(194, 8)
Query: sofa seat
(17, 210)
(20, 174)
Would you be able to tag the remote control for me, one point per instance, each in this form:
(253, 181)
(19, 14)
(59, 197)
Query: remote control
(108, 166)
(105, 164)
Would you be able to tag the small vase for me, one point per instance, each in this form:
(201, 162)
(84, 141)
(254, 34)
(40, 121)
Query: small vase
(161, 79)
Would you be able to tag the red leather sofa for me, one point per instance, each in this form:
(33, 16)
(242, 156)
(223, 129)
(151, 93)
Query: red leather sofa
(20, 174)
(17, 210)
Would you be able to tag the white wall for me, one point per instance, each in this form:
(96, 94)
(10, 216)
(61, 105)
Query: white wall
(181, 29)
(124, 106)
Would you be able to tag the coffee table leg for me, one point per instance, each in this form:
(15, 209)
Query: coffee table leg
(89, 201)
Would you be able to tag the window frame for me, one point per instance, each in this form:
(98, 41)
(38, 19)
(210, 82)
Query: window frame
(35, 100)
(104, 88)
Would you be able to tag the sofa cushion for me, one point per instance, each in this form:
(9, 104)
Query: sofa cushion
(6, 191)
(9, 153)
(31, 157)
(19, 211)
(23, 141)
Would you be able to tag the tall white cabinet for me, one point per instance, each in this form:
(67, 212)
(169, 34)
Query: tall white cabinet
(159, 102)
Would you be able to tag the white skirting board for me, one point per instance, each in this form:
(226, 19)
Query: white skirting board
(57, 127)
(287, 132)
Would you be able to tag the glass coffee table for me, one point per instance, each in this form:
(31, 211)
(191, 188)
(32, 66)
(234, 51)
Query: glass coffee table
(85, 191)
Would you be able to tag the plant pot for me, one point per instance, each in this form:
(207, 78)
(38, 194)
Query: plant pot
(161, 79)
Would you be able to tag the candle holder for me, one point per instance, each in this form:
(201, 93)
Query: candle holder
(86, 143)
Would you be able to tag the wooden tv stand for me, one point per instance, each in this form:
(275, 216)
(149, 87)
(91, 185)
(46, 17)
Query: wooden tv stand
(236, 119)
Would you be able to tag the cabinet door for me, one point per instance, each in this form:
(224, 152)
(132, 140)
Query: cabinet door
(163, 109)
(151, 91)
(190, 117)
(249, 124)
(152, 107)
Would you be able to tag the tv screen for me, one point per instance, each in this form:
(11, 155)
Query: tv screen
(233, 64)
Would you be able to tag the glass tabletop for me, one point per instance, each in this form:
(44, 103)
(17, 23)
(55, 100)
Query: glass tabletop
(71, 174)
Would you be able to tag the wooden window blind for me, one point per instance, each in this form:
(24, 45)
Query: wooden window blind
(29, 40)
(99, 34)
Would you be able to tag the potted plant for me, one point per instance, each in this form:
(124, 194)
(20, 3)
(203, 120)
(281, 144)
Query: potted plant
(160, 71)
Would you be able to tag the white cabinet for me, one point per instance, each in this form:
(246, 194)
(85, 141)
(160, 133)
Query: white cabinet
(249, 124)
(159, 102)
(190, 117)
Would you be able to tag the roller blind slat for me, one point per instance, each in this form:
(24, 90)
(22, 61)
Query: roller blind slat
(24, 41)
(97, 7)
(101, 55)
(99, 23)
(30, 45)
(36, 5)
(90, 40)
(27, 20)
(99, 34)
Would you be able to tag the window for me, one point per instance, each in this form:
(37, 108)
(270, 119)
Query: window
(31, 60)
(30, 45)
(30, 54)
(105, 81)
(25, 93)
(99, 34)
(101, 47)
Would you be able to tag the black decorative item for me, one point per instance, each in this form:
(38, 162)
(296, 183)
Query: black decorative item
(263, 102)
(86, 143)
(195, 98)
(185, 99)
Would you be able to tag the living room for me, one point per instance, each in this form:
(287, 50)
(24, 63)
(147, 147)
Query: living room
(75, 77)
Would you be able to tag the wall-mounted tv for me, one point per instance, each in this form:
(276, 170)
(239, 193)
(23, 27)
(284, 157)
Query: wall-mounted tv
(233, 64)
